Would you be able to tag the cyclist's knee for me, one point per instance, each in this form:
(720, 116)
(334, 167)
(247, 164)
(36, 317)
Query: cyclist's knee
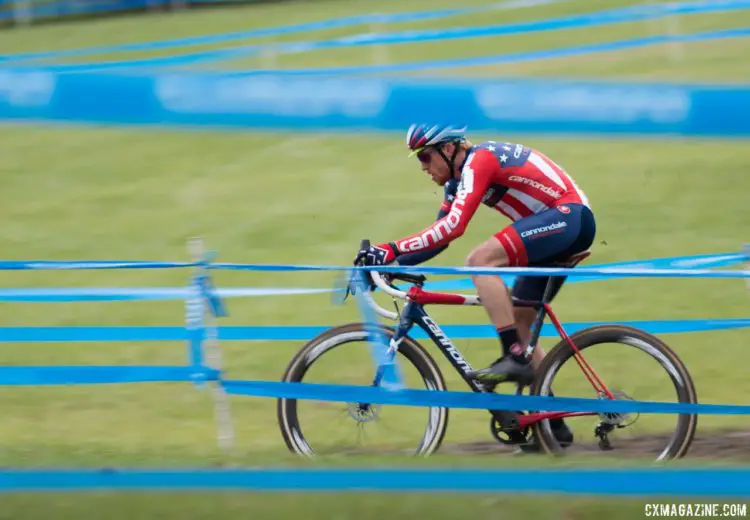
(489, 254)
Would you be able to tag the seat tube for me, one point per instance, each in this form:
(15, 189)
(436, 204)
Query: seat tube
(541, 314)
(536, 328)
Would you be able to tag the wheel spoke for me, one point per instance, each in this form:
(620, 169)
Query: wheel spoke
(343, 352)
(608, 347)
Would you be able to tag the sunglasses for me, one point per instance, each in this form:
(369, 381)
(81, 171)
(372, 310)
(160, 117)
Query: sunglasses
(424, 155)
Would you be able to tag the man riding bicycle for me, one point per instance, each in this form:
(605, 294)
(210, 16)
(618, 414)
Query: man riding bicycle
(552, 222)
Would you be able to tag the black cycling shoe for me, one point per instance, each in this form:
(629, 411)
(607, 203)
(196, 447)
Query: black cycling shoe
(505, 369)
(562, 433)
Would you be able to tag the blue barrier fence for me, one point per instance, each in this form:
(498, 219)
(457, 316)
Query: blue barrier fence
(203, 304)
(638, 13)
(203, 300)
(82, 334)
(587, 20)
(337, 23)
(379, 104)
(78, 294)
(346, 99)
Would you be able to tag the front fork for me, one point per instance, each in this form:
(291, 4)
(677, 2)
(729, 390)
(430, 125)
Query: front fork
(406, 322)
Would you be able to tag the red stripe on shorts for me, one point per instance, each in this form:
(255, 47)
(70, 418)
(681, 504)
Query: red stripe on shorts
(514, 247)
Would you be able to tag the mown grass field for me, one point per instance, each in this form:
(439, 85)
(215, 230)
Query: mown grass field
(703, 61)
(110, 193)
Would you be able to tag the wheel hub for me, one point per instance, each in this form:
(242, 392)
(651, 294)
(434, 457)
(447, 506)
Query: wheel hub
(363, 412)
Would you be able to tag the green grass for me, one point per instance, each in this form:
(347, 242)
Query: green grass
(359, 506)
(704, 61)
(108, 193)
(297, 199)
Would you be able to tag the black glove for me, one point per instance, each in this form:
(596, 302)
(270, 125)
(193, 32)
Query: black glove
(376, 255)
(373, 255)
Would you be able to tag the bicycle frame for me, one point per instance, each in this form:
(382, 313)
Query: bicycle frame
(414, 313)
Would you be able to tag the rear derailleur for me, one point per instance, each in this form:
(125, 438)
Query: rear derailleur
(612, 420)
(602, 431)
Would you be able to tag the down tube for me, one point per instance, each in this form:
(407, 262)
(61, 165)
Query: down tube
(446, 346)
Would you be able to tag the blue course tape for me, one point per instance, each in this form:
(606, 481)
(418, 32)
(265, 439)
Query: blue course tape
(273, 31)
(99, 294)
(81, 375)
(304, 333)
(516, 271)
(54, 265)
(677, 262)
(506, 58)
(81, 294)
(679, 482)
(467, 400)
(615, 16)
(586, 20)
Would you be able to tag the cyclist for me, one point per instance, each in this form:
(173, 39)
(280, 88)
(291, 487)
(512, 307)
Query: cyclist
(551, 222)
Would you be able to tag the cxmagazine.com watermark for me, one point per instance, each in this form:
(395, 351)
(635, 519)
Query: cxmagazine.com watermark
(691, 510)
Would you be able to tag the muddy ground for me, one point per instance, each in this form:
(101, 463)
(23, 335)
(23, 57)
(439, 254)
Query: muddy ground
(711, 444)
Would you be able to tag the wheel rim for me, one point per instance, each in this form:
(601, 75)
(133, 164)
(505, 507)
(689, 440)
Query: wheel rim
(298, 426)
(679, 386)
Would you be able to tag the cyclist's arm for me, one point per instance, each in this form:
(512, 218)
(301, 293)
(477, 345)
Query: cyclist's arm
(476, 176)
(423, 256)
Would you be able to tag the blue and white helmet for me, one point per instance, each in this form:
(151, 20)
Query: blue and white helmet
(419, 137)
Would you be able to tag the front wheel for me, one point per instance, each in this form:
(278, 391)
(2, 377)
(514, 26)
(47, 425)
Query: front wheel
(313, 427)
(634, 365)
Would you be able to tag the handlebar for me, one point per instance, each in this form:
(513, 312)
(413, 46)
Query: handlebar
(387, 288)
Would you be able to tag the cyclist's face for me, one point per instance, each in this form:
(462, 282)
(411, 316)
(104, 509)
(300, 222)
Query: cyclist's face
(434, 165)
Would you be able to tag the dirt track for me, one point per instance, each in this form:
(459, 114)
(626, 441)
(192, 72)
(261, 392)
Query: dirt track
(717, 444)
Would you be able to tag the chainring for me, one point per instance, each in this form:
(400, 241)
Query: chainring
(508, 432)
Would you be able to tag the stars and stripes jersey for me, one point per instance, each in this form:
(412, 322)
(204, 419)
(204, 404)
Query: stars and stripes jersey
(513, 179)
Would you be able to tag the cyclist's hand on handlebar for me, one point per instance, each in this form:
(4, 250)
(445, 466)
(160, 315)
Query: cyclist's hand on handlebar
(382, 254)
(374, 255)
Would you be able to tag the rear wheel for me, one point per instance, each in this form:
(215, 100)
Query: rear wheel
(668, 437)
(307, 431)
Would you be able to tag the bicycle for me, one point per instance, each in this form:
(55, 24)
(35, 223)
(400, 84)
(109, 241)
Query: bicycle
(507, 427)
